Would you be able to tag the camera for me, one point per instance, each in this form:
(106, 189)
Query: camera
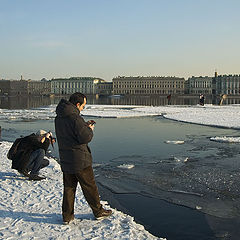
(51, 138)
(91, 122)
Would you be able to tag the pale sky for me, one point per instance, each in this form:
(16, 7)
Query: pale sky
(109, 38)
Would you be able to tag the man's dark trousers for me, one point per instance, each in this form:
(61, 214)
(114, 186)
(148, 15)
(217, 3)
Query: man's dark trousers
(90, 191)
(37, 161)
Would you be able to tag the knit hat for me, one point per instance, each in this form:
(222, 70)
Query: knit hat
(41, 132)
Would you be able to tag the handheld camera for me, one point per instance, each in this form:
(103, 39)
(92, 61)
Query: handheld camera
(91, 122)
(52, 139)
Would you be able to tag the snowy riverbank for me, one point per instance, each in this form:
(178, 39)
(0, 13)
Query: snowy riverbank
(32, 210)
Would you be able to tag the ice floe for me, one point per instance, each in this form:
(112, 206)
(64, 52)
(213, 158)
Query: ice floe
(181, 159)
(126, 166)
(221, 116)
(175, 142)
(226, 139)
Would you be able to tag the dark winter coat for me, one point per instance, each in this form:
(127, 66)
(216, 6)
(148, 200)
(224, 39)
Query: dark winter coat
(73, 136)
(25, 147)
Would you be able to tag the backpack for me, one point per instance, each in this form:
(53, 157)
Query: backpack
(13, 150)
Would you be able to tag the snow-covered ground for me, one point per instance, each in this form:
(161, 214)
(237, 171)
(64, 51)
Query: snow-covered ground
(32, 210)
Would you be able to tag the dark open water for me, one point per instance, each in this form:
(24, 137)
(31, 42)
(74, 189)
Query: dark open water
(197, 199)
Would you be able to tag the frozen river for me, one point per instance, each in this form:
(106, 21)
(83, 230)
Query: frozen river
(137, 150)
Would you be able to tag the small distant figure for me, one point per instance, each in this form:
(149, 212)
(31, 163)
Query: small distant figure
(201, 99)
(169, 99)
(27, 154)
(223, 97)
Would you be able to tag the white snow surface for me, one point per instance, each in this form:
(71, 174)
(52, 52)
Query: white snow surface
(222, 116)
(32, 210)
(226, 139)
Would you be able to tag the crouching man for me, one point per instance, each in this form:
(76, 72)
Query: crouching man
(27, 154)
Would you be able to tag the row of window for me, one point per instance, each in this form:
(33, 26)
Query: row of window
(229, 79)
(150, 82)
(147, 83)
(201, 91)
(201, 84)
(105, 87)
(232, 92)
(229, 85)
(72, 85)
(73, 90)
(149, 86)
(147, 91)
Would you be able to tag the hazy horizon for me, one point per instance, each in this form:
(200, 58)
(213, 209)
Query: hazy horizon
(109, 38)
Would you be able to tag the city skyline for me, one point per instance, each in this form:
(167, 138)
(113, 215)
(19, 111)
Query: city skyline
(105, 39)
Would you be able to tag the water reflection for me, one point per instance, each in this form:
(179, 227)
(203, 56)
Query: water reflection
(175, 100)
(153, 101)
(26, 102)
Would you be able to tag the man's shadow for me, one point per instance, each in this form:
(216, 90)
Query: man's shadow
(12, 175)
(48, 218)
(52, 218)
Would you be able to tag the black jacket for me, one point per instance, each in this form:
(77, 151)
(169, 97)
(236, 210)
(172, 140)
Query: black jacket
(73, 135)
(25, 147)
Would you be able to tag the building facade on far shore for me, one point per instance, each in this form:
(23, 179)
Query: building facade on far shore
(37, 88)
(217, 85)
(199, 85)
(105, 88)
(13, 87)
(148, 85)
(85, 85)
(226, 84)
(130, 86)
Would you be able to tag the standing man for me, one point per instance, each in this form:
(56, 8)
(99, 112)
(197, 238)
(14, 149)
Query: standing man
(73, 135)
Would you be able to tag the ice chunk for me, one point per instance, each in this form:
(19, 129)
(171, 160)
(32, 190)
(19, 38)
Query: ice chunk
(126, 166)
(175, 142)
(178, 159)
(226, 139)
